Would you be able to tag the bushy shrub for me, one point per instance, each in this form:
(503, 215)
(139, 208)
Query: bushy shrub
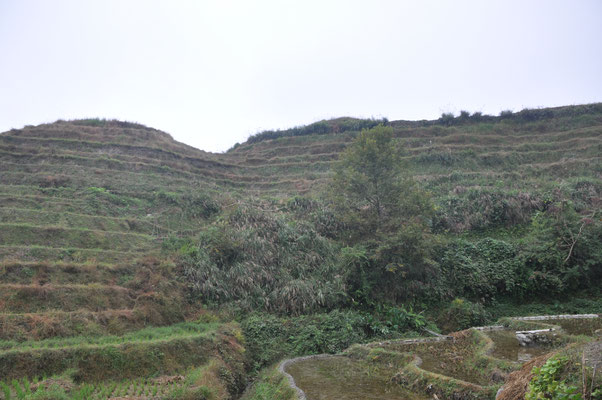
(482, 270)
(464, 115)
(544, 284)
(270, 385)
(197, 205)
(563, 251)
(462, 314)
(386, 320)
(324, 127)
(269, 338)
(476, 116)
(446, 119)
(326, 222)
(256, 259)
(545, 383)
(486, 208)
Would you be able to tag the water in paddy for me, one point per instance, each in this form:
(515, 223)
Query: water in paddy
(447, 358)
(578, 326)
(342, 378)
(506, 347)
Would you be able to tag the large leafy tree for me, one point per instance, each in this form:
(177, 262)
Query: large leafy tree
(387, 216)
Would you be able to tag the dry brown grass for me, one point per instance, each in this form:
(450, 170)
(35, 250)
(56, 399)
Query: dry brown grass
(518, 381)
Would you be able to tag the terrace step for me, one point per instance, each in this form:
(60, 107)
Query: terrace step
(17, 298)
(108, 148)
(56, 236)
(37, 202)
(75, 220)
(32, 253)
(148, 352)
(57, 324)
(43, 273)
(145, 183)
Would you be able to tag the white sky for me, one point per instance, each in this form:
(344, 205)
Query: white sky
(212, 72)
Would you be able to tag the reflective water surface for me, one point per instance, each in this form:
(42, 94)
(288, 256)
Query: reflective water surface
(506, 347)
(342, 378)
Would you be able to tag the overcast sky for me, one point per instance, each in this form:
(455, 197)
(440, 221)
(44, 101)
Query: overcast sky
(212, 72)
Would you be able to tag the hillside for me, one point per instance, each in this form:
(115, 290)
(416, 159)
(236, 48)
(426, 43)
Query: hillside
(110, 230)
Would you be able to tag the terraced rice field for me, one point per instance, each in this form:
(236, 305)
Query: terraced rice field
(470, 364)
(335, 378)
(86, 208)
(141, 388)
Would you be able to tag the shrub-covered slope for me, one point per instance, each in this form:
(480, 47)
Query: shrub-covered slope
(110, 227)
(109, 192)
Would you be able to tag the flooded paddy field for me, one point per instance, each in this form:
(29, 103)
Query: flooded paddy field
(478, 360)
(506, 347)
(578, 326)
(344, 378)
(458, 358)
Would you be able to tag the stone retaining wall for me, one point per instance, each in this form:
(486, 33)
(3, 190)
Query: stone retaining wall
(412, 341)
(489, 328)
(289, 377)
(562, 316)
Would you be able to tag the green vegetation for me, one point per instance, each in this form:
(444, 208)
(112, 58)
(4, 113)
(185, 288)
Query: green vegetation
(259, 260)
(545, 385)
(181, 330)
(271, 385)
(115, 240)
(386, 220)
(198, 383)
(269, 338)
(146, 354)
(323, 127)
